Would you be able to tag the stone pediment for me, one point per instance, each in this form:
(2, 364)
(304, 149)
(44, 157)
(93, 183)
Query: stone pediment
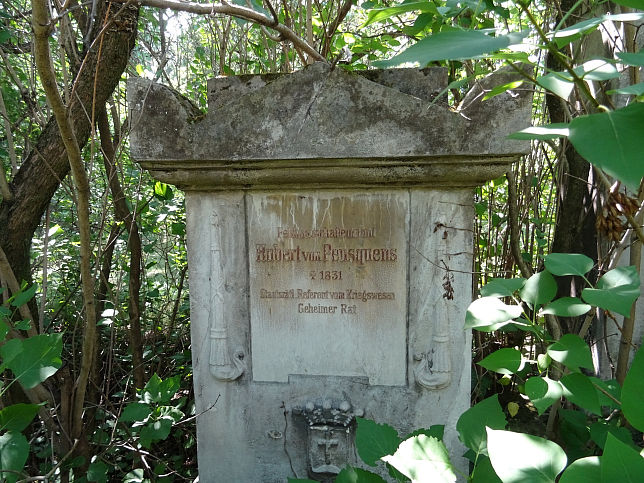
(382, 127)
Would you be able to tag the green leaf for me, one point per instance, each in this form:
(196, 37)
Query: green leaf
(612, 142)
(572, 351)
(621, 463)
(380, 14)
(97, 471)
(135, 412)
(635, 90)
(17, 416)
(539, 289)
(518, 457)
(504, 361)
(633, 392)
(452, 45)
(549, 131)
(502, 287)
(155, 431)
(578, 389)
(160, 391)
(4, 330)
(543, 392)
(421, 456)
(483, 471)
(501, 89)
(14, 450)
(559, 84)
(24, 296)
(580, 27)
(599, 430)
(22, 325)
(355, 475)
(631, 58)
(490, 312)
(568, 264)
(639, 4)
(612, 387)
(373, 440)
(436, 430)
(616, 290)
(597, 70)
(583, 470)
(34, 359)
(566, 307)
(472, 423)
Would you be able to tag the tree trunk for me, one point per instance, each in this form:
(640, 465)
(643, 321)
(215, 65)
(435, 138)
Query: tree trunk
(46, 165)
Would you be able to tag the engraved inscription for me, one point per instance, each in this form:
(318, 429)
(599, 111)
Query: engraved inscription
(328, 285)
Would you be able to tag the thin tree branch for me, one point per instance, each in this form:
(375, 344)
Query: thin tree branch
(234, 11)
(42, 55)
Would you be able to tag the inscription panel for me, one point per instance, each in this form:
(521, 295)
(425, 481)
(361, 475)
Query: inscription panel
(328, 285)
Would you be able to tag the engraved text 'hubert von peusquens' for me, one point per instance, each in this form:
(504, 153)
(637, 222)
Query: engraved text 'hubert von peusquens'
(329, 256)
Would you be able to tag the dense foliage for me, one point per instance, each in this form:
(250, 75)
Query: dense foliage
(94, 308)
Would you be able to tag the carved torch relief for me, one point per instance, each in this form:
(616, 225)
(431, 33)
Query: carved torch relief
(222, 366)
(434, 368)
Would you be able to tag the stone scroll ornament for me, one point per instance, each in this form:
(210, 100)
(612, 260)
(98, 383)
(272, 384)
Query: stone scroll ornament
(434, 368)
(222, 366)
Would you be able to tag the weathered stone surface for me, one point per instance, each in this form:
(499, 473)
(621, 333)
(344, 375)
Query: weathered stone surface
(304, 194)
(328, 275)
(300, 129)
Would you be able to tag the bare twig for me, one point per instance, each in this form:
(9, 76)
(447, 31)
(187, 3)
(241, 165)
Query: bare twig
(235, 11)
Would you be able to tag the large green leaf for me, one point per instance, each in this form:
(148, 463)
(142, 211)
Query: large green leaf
(380, 14)
(355, 475)
(373, 440)
(24, 296)
(600, 430)
(616, 290)
(14, 450)
(161, 391)
(483, 471)
(633, 392)
(612, 141)
(518, 458)
(572, 351)
(17, 416)
(423, 459)
(502, 287)
(568, 264)
(490, 311)
(543, 133)
(583, 470)
(504, 361)
(98, 472)
(472, 423)
(597, 70)
(452, 44)
(543, 392)
(539, 289)
(155, 431)
(559, 84)
(578, 389)
(34, 359)
(635, 90)
(639, 4)
(632, 58)
(566, 307)
(135, 412)
(620, 463)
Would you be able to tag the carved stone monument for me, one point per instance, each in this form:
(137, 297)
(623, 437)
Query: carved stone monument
(329, 220)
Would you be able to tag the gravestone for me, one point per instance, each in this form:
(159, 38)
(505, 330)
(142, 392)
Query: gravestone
(329, 228)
